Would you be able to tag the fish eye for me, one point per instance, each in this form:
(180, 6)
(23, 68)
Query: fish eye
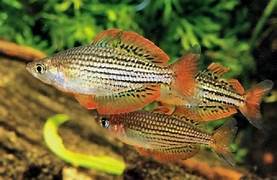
(105, 122)
(40, 68)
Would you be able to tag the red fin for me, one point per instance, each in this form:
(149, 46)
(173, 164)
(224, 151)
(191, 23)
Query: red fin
(236, 86)
(185, 70)
(86, 101)
(134, 43)
(251, 108)
(206, 113)
(172, 153)
(222, 138)
(127, 101)
(218, 69)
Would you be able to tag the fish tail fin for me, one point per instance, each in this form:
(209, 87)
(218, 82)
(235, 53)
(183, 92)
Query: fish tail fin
(185, 70)
(221, 139)
(251, 108)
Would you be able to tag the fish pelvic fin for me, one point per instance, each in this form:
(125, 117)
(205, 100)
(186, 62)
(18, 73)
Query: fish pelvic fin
(251, 108)
(221, 139)
(185, 70)
(132, 43)
(86, 101)
(127, 101)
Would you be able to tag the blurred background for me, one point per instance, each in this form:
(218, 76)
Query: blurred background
(241, 35)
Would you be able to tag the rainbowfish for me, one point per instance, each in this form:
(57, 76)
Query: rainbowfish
(167, 137)
(218, 97)
(120, 71)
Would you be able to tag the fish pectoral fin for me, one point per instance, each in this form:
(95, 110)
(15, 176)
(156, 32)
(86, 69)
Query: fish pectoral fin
(133, 43)
(86, 101)
(218, 69)
(171, 153)
(236, 85)
(206, 113)
(127, 101)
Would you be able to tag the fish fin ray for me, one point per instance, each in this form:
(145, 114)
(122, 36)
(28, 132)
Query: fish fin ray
(251, 108)
(134, 43)
(206, 113)
(236, 85)
(218, 69)
(127, 101)
(86, 101)
(172, 153)
(222, 138)
(185, 70)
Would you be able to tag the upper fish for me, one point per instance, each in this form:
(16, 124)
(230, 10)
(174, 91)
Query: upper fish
(120, 71)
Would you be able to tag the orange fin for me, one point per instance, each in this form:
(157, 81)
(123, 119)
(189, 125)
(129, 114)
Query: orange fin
(128, 101)
(185, 70)
(133, 43)
(206, 113)
(251, 108)
(164, 108)
(236, 85)
(171, 153)
(218, 69)
(221, 140)
(86, 101)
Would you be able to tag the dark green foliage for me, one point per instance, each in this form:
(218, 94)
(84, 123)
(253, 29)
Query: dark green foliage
(220, 27)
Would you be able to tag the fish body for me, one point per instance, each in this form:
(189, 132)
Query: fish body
(164, 135)
(218, 97)
(117, 67)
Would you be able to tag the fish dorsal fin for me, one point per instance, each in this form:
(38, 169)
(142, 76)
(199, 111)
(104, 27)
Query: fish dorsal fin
(127, 101)
(133, 43)
(236, 85)
(172, 153)
(218, 69)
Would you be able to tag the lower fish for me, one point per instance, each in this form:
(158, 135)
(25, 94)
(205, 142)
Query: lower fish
(218, 97)
(168, 138)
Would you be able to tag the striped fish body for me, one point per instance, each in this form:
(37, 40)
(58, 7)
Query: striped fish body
(118, 72)
(156, 131)
(213, 91)
(167, 138)
(104, 70)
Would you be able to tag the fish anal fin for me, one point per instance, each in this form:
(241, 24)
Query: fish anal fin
(86, 101)
(206, 113)
(171, 153)
(132, 43)
(164, 109)
(236, 85)
(218, 69)
(127, 101)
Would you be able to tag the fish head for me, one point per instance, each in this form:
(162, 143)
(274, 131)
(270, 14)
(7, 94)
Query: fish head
(113, 123)
(46, 70)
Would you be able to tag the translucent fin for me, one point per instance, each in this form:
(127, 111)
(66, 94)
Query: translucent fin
(164, 108)
(206, 113)
(251, 108)
(132, 42)
(127, 101)
(172, 153)
(221, 140)
(236, 85)
(218, 69)
(86, 101)
(185, 70)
